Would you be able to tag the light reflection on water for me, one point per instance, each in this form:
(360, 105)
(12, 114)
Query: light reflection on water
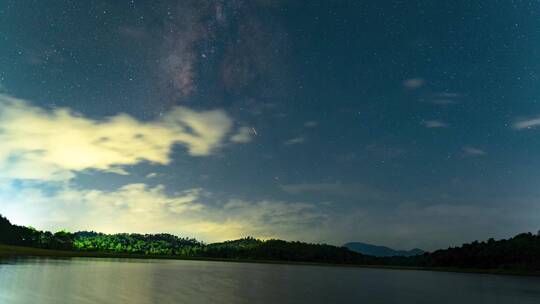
(83, 280)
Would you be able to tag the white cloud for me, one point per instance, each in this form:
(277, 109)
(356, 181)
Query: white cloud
(55, 144)
(42, 147)
(118, 170)
(294, 141)
(472, 151)
(243, 135)
(526, 123)
(272, 219)
(132, 207)
(413, 83)
(311, 124)
(195, 213)
(434, 124)
(151, 175)
(144, 209)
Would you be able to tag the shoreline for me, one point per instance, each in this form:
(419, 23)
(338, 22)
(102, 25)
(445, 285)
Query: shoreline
(8, 252)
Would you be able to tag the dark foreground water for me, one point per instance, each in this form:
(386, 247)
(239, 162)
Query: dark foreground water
(81, 280)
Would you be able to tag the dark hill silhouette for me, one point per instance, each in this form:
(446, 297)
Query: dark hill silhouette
(380, 251)
(520, 253)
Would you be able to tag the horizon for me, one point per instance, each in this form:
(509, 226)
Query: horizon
(283, 239)
(406, 125)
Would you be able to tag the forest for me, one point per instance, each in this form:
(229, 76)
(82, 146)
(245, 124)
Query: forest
(169, 245)
(521, 252)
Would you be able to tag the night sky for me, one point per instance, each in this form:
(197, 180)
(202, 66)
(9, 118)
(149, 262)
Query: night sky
(395, 123)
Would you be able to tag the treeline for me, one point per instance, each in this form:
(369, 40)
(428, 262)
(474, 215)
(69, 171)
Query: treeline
(155, 244)
(30, 237)
(521, 252)
(170, 245)
(254, 249)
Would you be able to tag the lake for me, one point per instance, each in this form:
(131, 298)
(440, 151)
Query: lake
(84, 280)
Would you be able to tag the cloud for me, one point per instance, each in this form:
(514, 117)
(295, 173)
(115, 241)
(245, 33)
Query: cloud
(135, 33)
(198, 213)
(472, 151)
(383, 151)
(434, 124)
(311, 124)
(294, 141)
(413, 83)
(117, 170)
(127, 208)
(337, 189)
(273, 219)
(243, 135)
(448, 95)
(439, 225)
(334, 188)
(54, 144)
(42, 150)
(526, 123)
(442, 102)
(144, 209)
(442, 99)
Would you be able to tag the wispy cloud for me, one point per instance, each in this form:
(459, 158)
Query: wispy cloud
(442, 102)
(337, 189)
(243, 135)
(413, 83)
(442, 99)
(472, 151)
(334, 188)
(145, 209)
(434, 124)
(135, 33)
(54, 144)
(526, 123)
(311, 124)
(195, 212)
(448, 95)
(294, 141)
(384, 151)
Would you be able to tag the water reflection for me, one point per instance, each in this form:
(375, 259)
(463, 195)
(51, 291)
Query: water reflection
(164, 281)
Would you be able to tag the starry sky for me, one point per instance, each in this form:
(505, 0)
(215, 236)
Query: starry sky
(399, 123)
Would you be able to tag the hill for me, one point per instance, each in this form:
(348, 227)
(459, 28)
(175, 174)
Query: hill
(168, 245)
(520, 254)
(380, 251)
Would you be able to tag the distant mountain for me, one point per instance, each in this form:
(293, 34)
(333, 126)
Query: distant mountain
(381, 251)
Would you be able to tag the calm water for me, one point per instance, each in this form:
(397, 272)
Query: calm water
(150, 281)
